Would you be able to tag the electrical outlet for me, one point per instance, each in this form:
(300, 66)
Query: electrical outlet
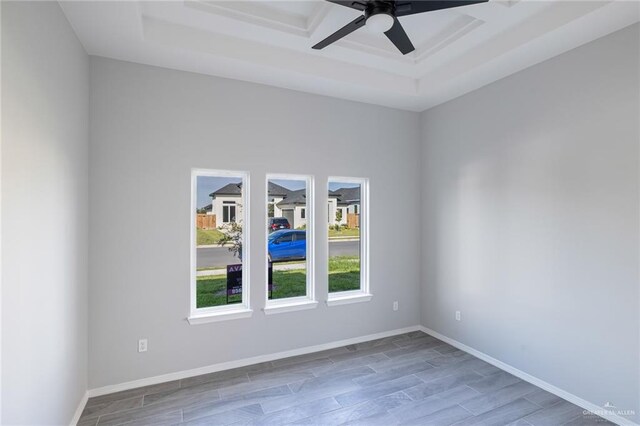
(395, 305)
(142, 345)
(457, 315)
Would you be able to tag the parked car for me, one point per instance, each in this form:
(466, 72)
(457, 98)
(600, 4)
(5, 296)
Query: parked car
(287, 245)
(276, 223)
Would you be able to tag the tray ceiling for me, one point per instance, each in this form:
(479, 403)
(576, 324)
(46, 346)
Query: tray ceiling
(269, 42)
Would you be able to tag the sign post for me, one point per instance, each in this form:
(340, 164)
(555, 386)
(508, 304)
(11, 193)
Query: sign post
(234, 280)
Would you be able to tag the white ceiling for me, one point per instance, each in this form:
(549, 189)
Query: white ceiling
(269, 42)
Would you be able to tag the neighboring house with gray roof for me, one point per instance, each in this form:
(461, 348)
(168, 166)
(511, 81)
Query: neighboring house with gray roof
(344, 200)
(225, 204)
(292, 205)
(284, 202)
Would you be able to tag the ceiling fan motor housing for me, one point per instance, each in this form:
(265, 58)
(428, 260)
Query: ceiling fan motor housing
(379, 16)
(377, 7)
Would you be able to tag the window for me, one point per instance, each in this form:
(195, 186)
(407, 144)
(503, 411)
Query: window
(284, 239)
(228, 211)
(219, 252)
(348, 240)
(289, 243)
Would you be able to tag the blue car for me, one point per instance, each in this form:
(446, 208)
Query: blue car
(287, 245)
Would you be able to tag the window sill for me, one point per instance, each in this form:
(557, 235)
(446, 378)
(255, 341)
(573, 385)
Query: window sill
(347, 299)
(219, 316)
(279, 308)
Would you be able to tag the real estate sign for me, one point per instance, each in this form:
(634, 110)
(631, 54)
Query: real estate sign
(234, 279)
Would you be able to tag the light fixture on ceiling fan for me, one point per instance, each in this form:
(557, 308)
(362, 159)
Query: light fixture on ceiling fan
(381, 16)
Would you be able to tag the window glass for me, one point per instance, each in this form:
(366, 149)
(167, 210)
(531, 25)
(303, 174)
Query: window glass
(219, 235)
(287, 248)
(345, 243)
(286, 238)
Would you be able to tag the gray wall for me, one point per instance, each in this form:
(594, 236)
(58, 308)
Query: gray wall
(149, 127)
(530, 213)
(45, 104)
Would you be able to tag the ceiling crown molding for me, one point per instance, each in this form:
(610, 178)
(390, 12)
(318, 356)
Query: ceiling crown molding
(269, 42)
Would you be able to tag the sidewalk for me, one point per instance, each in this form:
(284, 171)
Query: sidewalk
(276, 267)
(331, 240)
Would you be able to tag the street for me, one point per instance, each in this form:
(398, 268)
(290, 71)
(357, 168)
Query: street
(220, 256)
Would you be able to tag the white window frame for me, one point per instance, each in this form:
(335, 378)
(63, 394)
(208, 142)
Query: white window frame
(364, 293)
(227, 312)
(309, 300)
(228, 205)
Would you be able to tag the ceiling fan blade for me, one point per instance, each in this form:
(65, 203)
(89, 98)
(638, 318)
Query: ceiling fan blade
(357, 5)
(404, 8)
(346, 30)
(398, 37)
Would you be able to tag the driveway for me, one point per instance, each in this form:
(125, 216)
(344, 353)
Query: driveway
(220, 256)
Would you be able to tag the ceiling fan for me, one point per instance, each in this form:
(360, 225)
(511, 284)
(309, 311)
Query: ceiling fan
(381, 16)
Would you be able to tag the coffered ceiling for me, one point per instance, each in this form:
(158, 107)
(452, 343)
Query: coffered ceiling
(269, 42)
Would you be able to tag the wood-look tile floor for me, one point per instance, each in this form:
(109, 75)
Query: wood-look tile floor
(406, 379)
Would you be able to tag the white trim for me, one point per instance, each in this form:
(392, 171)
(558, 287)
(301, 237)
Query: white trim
(244, 362)
(220, 316)
(1, 220)
(289, 305)
(342, 298)
(80, 409)
(309, 299)
(531, 379)
(219, 313)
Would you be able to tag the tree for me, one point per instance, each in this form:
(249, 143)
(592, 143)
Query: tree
(232, 237)
(339, 215)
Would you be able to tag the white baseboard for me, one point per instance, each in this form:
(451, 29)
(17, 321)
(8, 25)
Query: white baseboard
(243, 362)
(80, 409)
(612, 417)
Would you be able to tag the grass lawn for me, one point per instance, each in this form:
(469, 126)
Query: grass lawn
(291, 283)
(344, 274)
(211, 291)
(345, 232)
(208, 236)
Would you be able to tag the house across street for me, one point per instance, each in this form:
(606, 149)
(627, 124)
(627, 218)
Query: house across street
(283, 202)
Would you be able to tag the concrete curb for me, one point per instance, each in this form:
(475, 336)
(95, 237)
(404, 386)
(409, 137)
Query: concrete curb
(338, 239)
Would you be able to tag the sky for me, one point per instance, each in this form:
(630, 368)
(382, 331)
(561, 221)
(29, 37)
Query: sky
(289, 184)
(209, 184)
(337, 185)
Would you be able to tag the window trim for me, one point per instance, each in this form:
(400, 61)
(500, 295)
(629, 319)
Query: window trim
(225, 312)
(300, 302)
(228, 205)
(364, 293)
